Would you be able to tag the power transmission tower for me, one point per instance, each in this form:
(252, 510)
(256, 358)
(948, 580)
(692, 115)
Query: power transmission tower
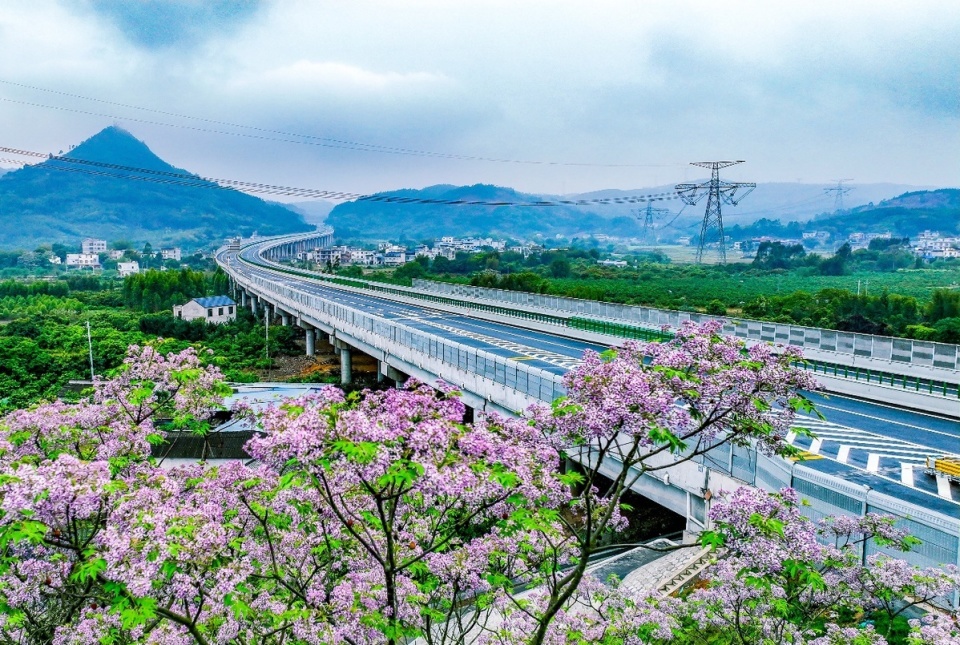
(649, 215)
(840, 190)
(717, 192)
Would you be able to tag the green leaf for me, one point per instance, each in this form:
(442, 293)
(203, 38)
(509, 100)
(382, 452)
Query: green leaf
(89, 570)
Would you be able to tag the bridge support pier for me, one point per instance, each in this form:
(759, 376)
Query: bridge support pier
(346, 366)
(243, 298)
(253, 305)
(311, 341)
(284, 318)
(394, 375)
(346, 362)
(380, 368)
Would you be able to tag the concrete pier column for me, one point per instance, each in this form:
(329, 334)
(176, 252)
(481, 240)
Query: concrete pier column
(311, 344)
(284, 318)
(253, 304)
(346, 366)
(380, 374)
(243, 298)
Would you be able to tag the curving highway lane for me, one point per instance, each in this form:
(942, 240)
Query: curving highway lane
(863, 442)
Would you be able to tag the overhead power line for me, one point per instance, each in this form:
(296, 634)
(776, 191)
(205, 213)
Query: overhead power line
(254, 132)
(117, 171)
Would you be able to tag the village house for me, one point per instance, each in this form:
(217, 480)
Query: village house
(215, 309)
(170, 254)
(92, 246)
(128, 268)
(83, 261)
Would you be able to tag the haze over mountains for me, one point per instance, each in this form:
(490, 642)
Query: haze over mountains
(57, 201)
(62, 202)
(376, 220)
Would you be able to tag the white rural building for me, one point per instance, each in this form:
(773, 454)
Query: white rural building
(83, 260)
(128, 268)
(171, 254)
(90, 245)
(215, 309)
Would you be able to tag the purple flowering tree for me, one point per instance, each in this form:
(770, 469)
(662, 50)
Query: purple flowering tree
(380, 517)
(636, 405)
(780, 577)
(65, 470)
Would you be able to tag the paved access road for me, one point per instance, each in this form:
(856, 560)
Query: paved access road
(894, 435)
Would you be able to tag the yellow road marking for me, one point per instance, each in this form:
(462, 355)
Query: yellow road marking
(806, 456)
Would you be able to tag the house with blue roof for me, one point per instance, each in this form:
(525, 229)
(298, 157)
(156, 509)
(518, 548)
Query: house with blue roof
(215, 309)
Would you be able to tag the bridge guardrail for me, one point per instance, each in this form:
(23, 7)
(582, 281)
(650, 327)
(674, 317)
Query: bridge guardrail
(526, 379)
(915, 383)
(902, 350)
(610, 327)
(829, 495)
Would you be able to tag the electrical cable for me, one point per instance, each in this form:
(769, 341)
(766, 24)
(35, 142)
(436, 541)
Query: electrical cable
(83, 166)
(326, 142)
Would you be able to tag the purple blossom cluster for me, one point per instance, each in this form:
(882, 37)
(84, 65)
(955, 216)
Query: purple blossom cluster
(381, 517)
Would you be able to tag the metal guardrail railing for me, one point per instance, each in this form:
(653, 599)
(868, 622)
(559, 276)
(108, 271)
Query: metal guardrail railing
(388, 335)
(913, 383)
(899, 350)
(624, 330)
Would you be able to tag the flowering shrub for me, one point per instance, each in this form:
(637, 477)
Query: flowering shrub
(380, 517)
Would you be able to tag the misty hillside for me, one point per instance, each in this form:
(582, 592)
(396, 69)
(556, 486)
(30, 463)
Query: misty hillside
(58, 201)
(374, 220)
(314, 212)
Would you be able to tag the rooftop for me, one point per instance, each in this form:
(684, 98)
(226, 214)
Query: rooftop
(215, 301)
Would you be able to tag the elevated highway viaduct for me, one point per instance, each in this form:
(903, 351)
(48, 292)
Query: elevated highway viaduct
(867, 455)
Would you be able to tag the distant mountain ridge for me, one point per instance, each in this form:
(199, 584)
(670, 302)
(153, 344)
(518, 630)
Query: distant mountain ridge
(374, 220)
(57, 201)
(385, 221)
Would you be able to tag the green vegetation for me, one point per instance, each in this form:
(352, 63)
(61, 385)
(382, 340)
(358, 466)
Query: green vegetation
(44, 205)
(43, 334)
(784, 284)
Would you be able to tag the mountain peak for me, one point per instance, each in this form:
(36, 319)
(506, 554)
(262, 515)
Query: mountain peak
(42, 204)
(115, 145)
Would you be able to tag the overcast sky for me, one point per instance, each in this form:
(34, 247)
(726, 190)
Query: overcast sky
(808, 91)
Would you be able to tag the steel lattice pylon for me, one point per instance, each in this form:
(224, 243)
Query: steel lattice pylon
(717, 192)
(649, 215)
(840, 190)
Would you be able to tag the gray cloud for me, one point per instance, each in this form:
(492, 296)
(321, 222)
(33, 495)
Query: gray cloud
(815, 90)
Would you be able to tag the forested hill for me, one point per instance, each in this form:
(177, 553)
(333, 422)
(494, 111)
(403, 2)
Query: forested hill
(41, 204)
(907, 215)
(369, 219)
